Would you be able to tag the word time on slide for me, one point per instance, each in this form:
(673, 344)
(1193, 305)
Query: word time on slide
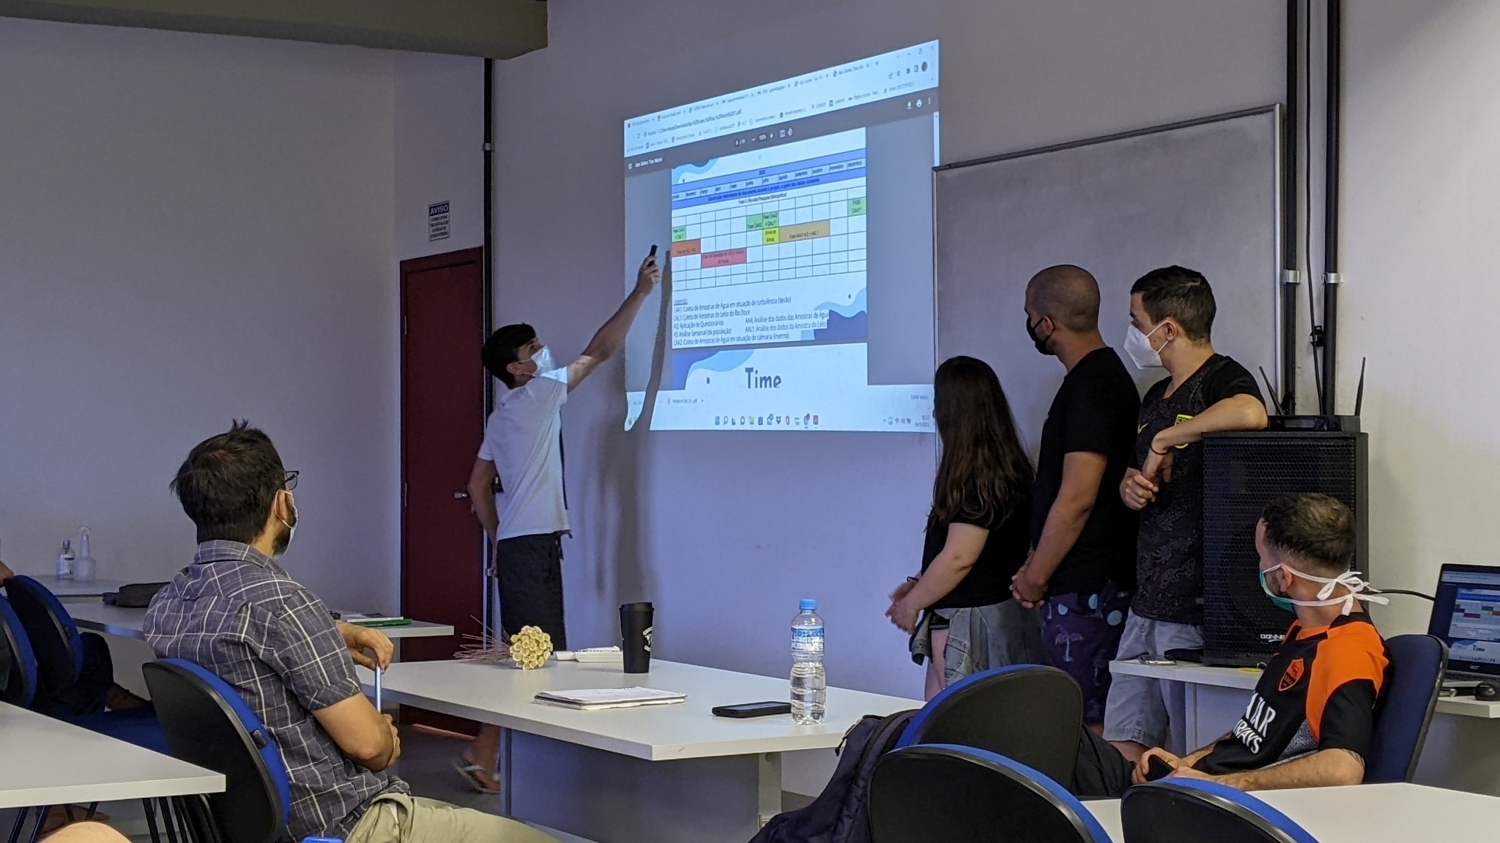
(798, 224)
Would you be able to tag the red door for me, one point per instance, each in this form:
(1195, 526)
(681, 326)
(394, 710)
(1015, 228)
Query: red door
(442, 423)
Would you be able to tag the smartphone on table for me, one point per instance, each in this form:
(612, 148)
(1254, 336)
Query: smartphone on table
(755, 709)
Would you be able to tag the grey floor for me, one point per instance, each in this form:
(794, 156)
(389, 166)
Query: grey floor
(426, 764)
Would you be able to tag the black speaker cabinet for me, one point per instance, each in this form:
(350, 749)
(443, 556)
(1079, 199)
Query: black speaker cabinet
(1242, 472)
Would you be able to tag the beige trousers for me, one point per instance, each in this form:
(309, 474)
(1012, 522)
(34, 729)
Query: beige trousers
(398, 818)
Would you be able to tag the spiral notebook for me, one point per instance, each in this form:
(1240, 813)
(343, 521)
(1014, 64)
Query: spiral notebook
(593, 699)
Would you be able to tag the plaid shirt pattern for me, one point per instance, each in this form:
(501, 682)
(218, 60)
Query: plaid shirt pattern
(239, 614)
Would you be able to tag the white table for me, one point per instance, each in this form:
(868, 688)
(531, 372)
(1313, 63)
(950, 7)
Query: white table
(48, 762)
(1462, 750)
(127, 623)
(662, 773)
(1370, 813)
(69, 589)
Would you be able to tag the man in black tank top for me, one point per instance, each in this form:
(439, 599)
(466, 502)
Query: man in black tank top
(1171, 316)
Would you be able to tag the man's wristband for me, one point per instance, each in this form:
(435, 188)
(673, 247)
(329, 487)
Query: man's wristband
(1160, 453)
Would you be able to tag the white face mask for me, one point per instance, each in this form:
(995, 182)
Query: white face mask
(1348, 579)
(543, 361)
(1138, 346)
(291, 531)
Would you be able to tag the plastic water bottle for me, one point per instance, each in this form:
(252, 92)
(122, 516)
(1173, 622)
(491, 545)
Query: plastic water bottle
(809, 683)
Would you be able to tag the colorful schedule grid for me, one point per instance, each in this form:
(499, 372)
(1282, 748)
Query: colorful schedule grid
(804, 219)
(1476, 615)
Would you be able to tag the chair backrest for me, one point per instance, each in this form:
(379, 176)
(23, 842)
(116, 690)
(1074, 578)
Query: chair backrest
(1405, 708)
(54, 636)
(943, 793)
(1027, 712)
(208, 723)
(20, 672)
(1177, 810)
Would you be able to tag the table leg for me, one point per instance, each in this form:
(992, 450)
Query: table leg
(507, 773)
(769, 778)
(1190, 717)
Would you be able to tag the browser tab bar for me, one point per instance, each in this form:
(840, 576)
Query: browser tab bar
(900, 73)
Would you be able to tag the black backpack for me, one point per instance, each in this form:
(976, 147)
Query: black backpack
(134, 596)
(839, 814)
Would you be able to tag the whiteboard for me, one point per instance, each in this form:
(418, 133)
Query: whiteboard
(1203, 194)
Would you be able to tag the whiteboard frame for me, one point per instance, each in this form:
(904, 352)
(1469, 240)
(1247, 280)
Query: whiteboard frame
(1280, 317)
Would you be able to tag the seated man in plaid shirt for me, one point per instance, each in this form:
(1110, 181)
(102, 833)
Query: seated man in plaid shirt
(237, 612)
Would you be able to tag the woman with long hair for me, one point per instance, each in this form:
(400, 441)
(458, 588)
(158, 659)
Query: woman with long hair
(959, 610)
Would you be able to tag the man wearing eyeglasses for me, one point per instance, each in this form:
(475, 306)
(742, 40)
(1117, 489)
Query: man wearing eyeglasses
(236, 612)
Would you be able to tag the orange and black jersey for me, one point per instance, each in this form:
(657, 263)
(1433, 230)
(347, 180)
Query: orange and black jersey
(1318, 692)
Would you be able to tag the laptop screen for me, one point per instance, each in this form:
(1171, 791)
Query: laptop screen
(1466, 615)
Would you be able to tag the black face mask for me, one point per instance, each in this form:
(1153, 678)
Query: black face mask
(1039, 342)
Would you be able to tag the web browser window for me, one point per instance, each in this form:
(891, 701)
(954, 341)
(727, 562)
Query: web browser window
(797, 220)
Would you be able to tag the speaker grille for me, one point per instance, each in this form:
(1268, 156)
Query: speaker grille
(1242, 472)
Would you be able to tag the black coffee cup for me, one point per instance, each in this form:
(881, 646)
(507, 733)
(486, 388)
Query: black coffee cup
(635, 636)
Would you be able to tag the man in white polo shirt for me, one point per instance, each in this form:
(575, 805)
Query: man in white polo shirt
(523, 449)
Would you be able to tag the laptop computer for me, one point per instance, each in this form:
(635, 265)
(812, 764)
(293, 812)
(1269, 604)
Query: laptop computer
(1466, 615)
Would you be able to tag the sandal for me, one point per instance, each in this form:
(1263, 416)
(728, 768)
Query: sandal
(480, 778)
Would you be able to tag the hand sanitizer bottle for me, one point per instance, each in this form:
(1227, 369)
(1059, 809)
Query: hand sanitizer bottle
(65, 561)
(84, 567)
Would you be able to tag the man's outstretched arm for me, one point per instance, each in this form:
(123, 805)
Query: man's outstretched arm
(1324, 768)
(611, 335)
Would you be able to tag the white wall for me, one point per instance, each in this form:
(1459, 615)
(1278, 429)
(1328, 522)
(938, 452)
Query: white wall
(1421, 197)
(726, 545)
(194, 229)
(439, 127)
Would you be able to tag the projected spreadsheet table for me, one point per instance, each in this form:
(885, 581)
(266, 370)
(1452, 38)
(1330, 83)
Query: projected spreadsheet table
(768, 241)
(796, 228)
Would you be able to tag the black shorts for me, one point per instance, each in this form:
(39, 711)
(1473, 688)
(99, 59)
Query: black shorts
(529, 570)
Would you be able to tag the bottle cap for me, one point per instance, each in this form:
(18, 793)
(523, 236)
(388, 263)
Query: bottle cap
(809, 605)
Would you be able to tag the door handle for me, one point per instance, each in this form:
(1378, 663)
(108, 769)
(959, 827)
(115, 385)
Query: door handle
(460, 496)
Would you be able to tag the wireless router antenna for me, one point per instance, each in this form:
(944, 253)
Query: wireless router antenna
(1271, 391)
(1359, 397)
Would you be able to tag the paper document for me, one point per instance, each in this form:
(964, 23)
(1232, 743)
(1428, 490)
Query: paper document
(596, 698)
(591, 655)
(367, 617)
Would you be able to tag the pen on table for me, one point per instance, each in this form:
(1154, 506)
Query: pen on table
(377, 687)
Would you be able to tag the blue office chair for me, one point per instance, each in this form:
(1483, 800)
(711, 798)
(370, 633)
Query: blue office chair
(60, 637)
(1405, 709)
(1026, 712)
(59, 649)
(208, 723)
(942, 793)
(55, 639)
(19, 685)
(1177, 810)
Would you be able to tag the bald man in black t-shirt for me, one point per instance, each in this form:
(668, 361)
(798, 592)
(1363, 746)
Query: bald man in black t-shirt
(1081, 571)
